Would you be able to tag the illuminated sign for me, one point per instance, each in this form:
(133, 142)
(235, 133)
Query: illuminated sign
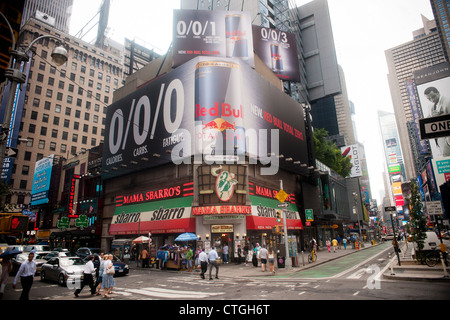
(229, 209)
(184, 190)
(72, 196)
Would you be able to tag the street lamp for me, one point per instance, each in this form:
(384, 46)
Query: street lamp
(356, 211)
(17, 77)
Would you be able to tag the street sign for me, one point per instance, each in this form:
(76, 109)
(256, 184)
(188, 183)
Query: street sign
(434, 208)
(283, 205)
(11, 152)
(435, 127)
(390, 209)
(281, 195)
(309, 215)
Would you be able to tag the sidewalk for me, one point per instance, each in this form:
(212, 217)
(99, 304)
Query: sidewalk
(234, 270)
(409, 269)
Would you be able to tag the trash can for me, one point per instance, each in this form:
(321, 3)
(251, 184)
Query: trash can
(281, 261)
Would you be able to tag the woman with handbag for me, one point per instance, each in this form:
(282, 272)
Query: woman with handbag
(108, 276)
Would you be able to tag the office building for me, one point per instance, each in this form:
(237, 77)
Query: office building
(441, 13)
(423, 51)
(65, 107)
(56, 13)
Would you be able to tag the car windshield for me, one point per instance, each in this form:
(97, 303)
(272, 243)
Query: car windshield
(71, 262)
(97, 251)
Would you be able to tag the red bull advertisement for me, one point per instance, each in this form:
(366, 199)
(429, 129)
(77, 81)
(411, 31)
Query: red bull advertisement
(277, 62)
(216, 34)
(278, 50)
(219, 108)
(236, 35)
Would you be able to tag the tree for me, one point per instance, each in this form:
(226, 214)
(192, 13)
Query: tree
(329, 154)
(417, 217)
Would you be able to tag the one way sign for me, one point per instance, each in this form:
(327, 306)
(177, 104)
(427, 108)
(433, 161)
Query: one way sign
(435, 127)
(11, 152)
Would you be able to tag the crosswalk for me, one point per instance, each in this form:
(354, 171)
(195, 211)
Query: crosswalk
(162, 293)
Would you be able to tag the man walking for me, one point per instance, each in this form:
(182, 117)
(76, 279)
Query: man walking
(26, 273)
(203, 258)
(213, 256)
(263, 257)
(88, 277)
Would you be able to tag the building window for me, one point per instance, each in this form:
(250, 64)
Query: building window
(41, 144)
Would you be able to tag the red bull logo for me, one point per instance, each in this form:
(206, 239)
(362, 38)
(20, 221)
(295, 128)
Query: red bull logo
(219, 124)
(225, 111)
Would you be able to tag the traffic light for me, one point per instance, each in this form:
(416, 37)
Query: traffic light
(278, 216)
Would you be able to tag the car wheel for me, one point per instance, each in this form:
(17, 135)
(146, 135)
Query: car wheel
(61, 280)
(43, 276)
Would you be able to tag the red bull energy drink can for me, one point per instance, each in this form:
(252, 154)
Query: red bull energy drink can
(236, 37)
(219, 107)
(277, 62)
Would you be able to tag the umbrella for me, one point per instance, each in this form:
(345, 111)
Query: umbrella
(141, 239)
(186, 237)
(10, 253)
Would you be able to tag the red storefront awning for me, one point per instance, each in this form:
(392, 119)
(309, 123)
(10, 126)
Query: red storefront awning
(155, 227)
(264, 223)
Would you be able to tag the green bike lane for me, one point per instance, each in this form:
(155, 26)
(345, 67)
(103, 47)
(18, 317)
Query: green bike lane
(343, 264)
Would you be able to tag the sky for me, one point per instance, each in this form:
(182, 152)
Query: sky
(362, 31)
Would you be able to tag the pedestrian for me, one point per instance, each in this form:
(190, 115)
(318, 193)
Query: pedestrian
(255, 257)
(263, 257)
(203, 259)
(213, 256)
(339, 241)
(271, 259)
(88, 277)
(246, 254)
(100, 274)
(328, 244)
(189, 259)
(108, 276)
(26, 273)
(6, 269)
(225, 253)
(344, 242)
(239, 254)
(144, 257)
(335, 244)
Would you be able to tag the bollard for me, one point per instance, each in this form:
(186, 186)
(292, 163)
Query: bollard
(443, 265)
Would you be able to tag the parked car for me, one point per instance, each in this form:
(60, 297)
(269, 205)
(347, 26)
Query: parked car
(387, 237)
(59, 254)
(431, 241)
(120, 268)
(16, 247)
(85, 252)
(22, 257)
(61, 268)
(37, 248)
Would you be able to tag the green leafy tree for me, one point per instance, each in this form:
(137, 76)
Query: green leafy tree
(329, 154)
(417, 217)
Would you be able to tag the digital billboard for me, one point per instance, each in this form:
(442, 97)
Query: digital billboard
(212, 33)
(41, 180)
(278, 50)
(215, 109)
(433, 89)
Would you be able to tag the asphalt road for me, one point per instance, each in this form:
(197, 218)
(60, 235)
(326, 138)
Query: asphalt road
(353, 277)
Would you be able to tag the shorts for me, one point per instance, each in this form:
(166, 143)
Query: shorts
(263, 261)
(271, 260)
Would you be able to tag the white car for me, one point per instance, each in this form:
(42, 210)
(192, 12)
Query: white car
(61, 268)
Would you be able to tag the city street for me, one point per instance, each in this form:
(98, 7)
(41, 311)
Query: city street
(356, 276)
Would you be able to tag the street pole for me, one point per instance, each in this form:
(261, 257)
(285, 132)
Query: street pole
(17, 77)
(287, 261)
(395, 239)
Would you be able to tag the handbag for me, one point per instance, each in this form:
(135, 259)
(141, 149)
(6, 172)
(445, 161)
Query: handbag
(110, 270)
